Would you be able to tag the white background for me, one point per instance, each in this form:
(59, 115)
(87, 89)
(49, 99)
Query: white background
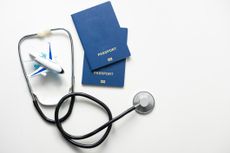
(180, 53)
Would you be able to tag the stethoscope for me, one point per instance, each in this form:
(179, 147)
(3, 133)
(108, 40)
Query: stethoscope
(143, 102)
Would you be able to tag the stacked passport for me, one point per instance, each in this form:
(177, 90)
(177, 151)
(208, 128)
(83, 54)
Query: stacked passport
(105, 46)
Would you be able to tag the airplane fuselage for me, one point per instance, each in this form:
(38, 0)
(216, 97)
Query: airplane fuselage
(47, 63)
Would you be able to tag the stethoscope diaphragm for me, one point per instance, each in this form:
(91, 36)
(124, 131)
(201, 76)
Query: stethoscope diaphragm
(144, 102)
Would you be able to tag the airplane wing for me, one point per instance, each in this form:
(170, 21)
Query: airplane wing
(41, 70)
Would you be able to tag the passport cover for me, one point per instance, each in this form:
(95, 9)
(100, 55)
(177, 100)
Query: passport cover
(100, 35)
(112, 75)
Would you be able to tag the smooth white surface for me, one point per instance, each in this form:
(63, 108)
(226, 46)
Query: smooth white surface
(180, 53)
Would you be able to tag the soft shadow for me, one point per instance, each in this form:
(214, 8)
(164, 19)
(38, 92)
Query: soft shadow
(51, 77)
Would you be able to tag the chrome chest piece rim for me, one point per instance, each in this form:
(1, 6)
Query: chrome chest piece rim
(144, 102)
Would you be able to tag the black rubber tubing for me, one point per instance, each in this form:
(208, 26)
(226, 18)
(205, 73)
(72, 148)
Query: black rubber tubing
(70, 138)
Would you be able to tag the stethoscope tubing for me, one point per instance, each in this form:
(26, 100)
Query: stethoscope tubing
(35, 99)
(107, 125)
(71, 95)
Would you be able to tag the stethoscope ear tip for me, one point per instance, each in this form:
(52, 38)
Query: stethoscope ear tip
(144, 102)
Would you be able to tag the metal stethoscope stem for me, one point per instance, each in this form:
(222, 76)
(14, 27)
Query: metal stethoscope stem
(143, 102)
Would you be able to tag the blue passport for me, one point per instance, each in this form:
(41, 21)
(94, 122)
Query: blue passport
(100, 35)
(111, 75)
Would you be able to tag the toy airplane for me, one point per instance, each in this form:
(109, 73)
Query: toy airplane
(45, 64)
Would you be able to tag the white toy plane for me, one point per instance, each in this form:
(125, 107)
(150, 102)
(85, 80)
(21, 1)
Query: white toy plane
(46, 64)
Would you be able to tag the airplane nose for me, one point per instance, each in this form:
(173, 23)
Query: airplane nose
(62, 71)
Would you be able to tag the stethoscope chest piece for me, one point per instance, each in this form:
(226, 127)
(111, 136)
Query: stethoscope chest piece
(144, 102)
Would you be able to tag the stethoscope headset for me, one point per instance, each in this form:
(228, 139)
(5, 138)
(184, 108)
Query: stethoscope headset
(143, 102)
